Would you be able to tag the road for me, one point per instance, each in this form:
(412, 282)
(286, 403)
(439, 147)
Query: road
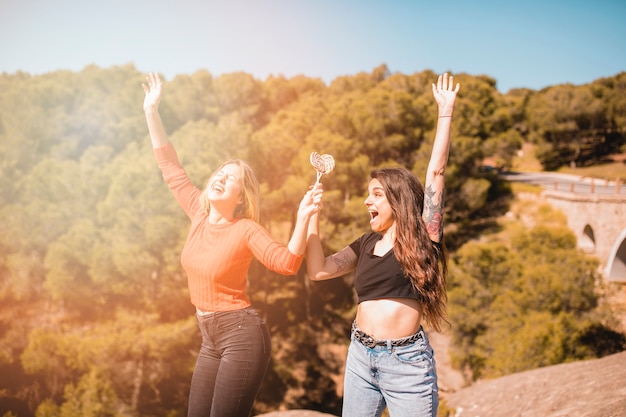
(566, 183)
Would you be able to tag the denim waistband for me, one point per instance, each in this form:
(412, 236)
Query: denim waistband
(202, 313)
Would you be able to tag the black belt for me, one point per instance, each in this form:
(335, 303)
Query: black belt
(367, 340)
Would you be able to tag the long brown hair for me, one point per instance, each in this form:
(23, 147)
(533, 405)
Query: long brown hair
(249, 208)
(423, 264)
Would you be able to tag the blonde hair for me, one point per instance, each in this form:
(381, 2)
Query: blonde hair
(249, 207)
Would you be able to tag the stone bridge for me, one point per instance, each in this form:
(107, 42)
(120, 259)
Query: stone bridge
(595, 211)
(599, 223)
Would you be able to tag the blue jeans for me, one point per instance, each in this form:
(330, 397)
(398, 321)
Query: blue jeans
(231, 364)
(403, 379)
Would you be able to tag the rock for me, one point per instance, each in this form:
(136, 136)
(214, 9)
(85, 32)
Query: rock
(592, 388)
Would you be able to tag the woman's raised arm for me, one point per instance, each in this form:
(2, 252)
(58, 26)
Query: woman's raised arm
(151, 101)
(445, 95)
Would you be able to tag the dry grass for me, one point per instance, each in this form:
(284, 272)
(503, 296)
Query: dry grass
(610, 171)
(526, 162)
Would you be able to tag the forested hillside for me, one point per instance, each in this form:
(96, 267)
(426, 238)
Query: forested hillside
(95, 318)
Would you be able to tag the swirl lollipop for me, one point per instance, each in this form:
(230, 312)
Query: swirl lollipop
(323, 164)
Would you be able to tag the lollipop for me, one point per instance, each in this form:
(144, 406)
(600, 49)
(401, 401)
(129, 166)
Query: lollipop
(323, 164)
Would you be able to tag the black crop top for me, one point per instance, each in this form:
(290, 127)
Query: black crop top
(379, 277)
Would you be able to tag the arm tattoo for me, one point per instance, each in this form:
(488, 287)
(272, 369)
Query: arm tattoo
(341, 261)
(433, 211)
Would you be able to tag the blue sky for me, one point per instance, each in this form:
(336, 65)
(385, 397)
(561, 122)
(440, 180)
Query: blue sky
(533, 43)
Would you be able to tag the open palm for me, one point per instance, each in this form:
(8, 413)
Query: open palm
(153, 92)
(445, 93)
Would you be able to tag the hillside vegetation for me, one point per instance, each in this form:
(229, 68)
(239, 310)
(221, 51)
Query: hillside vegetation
(95, 318)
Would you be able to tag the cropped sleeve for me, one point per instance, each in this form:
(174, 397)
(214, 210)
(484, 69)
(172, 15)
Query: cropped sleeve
(356, 246)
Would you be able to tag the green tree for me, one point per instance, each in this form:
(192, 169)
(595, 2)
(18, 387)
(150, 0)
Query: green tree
(522, 303)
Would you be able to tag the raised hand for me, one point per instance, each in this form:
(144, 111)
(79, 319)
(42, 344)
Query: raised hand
(153, 92)
(158, 136)
(445, 94)
(310, 205)
(311, 202)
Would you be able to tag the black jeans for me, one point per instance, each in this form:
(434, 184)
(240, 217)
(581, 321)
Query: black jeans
(231, 364)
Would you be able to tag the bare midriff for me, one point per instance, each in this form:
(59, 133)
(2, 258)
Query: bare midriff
(389, 318)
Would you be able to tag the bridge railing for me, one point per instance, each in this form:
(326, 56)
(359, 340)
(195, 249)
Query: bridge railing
(592, 185)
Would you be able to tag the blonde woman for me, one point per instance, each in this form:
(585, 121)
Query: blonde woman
(223, 238)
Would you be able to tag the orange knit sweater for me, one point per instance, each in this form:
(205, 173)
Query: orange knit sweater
(216, 258)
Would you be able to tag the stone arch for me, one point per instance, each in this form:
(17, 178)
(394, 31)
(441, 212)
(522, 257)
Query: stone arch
(616, 267)
(587, 241)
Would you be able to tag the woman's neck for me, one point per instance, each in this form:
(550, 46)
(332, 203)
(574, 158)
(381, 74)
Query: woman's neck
(385, 244)
(217, 217)
(389, 235)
